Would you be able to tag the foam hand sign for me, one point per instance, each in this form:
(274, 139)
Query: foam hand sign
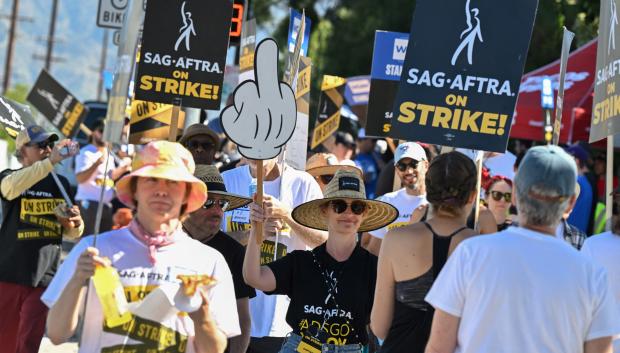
(262, 118)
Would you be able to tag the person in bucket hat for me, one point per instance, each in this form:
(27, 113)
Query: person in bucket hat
(150, 255)
(204, 225)
(333, 284)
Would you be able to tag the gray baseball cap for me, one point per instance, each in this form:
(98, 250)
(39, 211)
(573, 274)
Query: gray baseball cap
(549, 167)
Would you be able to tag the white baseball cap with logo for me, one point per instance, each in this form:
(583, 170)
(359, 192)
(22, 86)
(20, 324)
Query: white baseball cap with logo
(409, 150)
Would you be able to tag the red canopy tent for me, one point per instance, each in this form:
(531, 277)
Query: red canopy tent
(528, 120)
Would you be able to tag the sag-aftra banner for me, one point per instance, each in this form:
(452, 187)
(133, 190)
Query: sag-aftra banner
(462, 71)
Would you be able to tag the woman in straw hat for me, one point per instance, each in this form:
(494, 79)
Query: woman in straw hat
(149, 257)
(412, 256)
(331, 287)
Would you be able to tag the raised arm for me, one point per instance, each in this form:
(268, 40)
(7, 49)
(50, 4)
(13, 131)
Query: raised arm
(255, 275)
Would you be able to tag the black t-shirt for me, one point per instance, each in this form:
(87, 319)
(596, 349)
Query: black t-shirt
(233, 253)
(30, 235)
(298, 276)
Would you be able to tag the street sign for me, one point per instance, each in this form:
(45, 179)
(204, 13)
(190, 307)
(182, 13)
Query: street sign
(111, 13)
(116, 37)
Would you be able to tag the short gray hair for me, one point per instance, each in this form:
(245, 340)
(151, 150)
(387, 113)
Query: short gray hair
(541, 205)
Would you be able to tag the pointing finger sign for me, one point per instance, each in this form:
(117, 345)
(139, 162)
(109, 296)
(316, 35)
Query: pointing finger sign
(266, 68)
(263, 116)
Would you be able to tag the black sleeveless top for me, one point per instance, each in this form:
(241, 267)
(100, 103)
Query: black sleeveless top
(411, 323)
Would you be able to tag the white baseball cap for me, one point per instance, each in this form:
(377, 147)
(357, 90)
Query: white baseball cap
(409, 150)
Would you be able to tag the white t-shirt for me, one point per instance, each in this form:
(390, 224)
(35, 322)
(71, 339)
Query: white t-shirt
(405, 204)
(269, 311)
(90, 190)
(605, 250)
(139, 278)
(523, 291)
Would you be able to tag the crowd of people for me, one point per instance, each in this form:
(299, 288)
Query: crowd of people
(372, 248)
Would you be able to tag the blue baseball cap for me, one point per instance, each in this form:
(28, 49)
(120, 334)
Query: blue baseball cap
(33, 134)
(548, 167)
(578, 152)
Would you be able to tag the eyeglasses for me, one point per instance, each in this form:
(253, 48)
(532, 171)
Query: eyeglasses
(340, 206)
(325, 179)
(402, 166)
(192, 145)
(43, 144)
(496, 195)
(221, 202)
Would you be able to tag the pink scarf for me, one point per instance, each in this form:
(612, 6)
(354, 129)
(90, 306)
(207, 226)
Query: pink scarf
(152, 241)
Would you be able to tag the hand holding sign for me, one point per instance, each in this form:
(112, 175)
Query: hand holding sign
(262, 118)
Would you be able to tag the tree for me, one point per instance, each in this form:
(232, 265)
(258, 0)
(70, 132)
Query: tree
(18, 93)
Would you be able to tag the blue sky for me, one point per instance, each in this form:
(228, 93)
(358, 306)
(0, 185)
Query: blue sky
(79, 44)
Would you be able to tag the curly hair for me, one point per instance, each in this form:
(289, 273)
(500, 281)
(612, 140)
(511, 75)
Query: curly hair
(450, 181)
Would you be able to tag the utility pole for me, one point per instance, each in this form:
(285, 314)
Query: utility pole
(9, 48)
(102, 63)
(50, 36)
(48, 58)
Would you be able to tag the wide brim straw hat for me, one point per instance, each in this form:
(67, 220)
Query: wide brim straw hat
(215, 183)
(164, 160)
(327, 164)
(346, 184)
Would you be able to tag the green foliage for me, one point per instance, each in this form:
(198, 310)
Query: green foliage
(18, 93)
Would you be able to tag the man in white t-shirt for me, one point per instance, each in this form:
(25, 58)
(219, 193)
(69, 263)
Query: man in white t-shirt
(152, 257)
(523, 289)
(90, 168)
(283, 191)
(411, 165)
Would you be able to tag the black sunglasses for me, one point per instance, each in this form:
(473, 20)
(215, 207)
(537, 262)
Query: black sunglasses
(496, 195)
(43, 144)
(205, 145)
(221, 202)
(339, 206)
(402, 166)
(325, 179)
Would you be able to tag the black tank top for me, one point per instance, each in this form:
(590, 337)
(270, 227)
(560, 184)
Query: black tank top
(411, 324)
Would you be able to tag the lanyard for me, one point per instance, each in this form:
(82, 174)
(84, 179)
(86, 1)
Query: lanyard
(331, 282)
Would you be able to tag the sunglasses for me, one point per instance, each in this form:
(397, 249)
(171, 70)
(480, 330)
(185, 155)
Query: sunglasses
(496, 195)
(339, 206)
(402, 166)
(221, 202)
(204, 145)
(43, 144)
(325, 179)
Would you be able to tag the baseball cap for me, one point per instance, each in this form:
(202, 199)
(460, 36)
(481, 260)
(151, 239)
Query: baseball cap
(578, 152)
(33, 134)
(409, 150)
(549, 167)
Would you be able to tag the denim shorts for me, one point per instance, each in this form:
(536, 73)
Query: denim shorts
(292, 341)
